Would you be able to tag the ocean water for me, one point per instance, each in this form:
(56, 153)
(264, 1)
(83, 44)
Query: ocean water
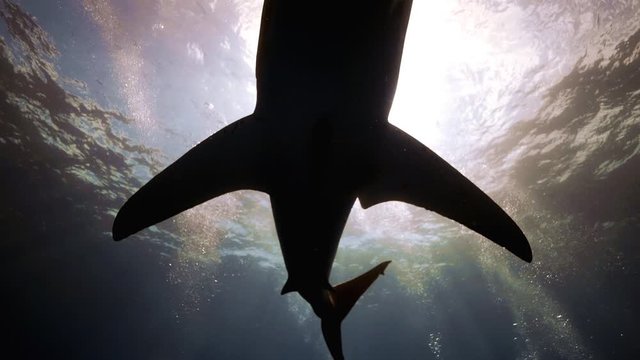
(536, 102)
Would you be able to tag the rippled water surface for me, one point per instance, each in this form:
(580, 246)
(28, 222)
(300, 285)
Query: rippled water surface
(538, 102)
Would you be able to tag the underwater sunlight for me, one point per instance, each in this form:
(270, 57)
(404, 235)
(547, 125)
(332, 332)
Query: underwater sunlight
(538, 103)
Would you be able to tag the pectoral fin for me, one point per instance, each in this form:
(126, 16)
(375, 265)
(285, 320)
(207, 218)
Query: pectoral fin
(229, 160)
(406, 170)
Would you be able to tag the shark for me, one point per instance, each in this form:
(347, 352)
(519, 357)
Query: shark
(318, 140)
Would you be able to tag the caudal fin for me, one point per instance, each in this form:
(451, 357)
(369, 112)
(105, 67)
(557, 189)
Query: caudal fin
(344, 298)
(348, 293)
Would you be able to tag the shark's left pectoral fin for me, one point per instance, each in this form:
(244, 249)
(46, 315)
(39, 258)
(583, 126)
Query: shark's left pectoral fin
(406, 170)
(229, 160)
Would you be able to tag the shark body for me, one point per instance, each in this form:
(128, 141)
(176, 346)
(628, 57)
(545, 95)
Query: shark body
(318, 140)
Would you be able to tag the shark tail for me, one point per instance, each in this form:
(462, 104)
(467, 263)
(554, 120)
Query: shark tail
(344, 297)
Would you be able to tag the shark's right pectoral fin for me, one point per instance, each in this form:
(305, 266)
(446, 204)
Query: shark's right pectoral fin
(406, 170)
(229, 160)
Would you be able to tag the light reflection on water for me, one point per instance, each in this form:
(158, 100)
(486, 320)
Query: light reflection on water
(483, 71)
(480, 84)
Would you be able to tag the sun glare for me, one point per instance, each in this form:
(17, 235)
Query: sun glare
(436, 43)
(421, 96)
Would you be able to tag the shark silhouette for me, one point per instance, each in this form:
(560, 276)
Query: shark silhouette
(318, 140)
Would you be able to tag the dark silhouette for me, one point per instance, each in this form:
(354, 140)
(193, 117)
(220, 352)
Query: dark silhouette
(318, 139)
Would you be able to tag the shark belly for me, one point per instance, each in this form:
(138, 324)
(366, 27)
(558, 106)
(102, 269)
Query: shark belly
(330, 56)
(318, 140)
(319, 172)
(309, 237)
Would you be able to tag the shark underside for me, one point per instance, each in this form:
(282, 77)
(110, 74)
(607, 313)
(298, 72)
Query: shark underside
(318, 140)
